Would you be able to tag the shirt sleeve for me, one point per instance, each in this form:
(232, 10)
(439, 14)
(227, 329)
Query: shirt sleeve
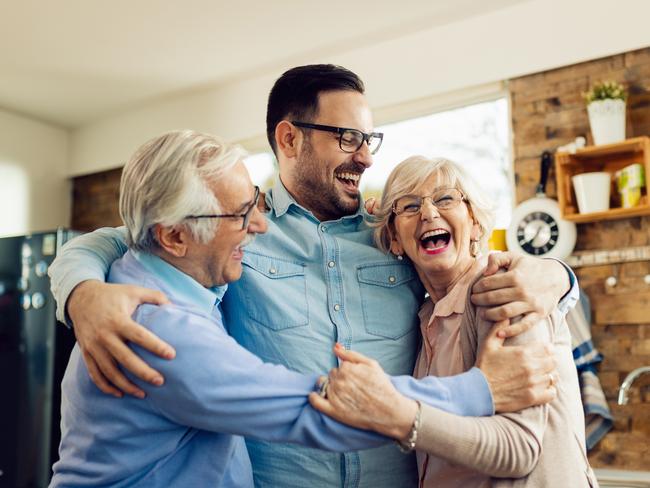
(504, 445)
(215, 384)
(466, 394)
(571, 297)
(86, 257)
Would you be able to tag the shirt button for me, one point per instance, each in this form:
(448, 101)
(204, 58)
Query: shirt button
(337, 307)
(391, 279)
(272, 271)
(331, 264)
(323, 229)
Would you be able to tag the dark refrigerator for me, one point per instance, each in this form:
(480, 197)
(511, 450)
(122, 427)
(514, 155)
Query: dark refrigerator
(34, 352)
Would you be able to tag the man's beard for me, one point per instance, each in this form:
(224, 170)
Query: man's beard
(320, 194)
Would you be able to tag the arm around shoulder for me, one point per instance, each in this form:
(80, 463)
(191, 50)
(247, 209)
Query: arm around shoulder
(86, 257)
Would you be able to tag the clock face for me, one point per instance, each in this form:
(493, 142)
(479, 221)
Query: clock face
(537, 229)
(537, 233)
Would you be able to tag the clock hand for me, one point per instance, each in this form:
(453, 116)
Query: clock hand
(539, 229)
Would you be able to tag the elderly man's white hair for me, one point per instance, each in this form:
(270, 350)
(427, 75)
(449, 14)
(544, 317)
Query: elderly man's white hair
(168, 179)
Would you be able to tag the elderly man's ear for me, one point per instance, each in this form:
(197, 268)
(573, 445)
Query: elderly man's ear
(172, 239)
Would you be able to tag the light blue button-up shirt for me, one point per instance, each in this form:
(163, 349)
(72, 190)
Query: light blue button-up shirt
(187, 432)
(307, 284)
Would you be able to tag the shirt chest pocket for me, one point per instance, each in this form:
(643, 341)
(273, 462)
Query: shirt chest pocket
(276, 291)
(388, 298)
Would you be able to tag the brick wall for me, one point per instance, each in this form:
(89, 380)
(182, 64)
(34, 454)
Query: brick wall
(547, 112)
(95, 200)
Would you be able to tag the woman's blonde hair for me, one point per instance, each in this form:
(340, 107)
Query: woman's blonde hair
(408, 175)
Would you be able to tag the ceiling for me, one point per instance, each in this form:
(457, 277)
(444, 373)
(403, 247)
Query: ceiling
(69, 62)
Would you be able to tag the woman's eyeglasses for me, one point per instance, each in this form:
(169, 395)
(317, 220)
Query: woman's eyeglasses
(443, 199)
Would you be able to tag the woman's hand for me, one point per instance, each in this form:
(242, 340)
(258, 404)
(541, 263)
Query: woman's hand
(360, 394)
(101, 316)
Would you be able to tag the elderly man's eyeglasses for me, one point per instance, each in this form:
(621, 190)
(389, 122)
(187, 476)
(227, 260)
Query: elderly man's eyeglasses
(443, 199)
(246, 215)
(350, 140)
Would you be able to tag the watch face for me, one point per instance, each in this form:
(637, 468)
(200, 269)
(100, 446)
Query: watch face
(537, 233)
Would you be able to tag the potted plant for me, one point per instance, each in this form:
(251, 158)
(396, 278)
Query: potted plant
(606, 108)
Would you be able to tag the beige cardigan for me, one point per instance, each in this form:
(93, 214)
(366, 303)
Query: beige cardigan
(537, 447)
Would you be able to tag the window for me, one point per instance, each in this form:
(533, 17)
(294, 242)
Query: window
(262, 168)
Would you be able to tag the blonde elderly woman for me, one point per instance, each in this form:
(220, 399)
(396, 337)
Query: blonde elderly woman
(435, 215)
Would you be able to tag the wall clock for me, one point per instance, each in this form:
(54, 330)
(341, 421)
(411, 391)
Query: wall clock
(537, 227)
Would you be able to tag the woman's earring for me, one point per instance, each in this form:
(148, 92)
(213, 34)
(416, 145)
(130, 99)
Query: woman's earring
(474, 248)
(400, 257)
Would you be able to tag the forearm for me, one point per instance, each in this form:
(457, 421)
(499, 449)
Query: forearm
(87, 257)
(466, 394)
(498, 446)
(215, 384)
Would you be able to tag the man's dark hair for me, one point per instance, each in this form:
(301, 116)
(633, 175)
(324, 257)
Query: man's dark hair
(295, 94)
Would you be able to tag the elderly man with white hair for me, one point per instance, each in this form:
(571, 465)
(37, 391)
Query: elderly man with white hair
(190, 208)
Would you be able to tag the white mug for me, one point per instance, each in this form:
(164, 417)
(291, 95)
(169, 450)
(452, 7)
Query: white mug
(592, 191)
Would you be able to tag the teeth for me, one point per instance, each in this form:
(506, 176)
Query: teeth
(247, 240)
(433, 233)
(348, 176)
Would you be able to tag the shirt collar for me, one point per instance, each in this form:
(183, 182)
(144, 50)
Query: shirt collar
(278, 199)
(182, 287)
(454, 301)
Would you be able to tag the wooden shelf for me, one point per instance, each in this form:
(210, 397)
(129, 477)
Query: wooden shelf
(610, 158)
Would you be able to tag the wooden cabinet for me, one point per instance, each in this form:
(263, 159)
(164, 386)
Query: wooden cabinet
(610, 158)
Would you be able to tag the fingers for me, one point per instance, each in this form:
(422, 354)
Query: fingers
(321, 404)
(370, 205)
(499, 330)
(127, 358)
(113, 375)
(497, 260)
(529, 320)
(98, 378)
(351, 356)
(495, 282)
(494, 297)
(510, 311)
(146, 295)
(545, 396)
(146, 339)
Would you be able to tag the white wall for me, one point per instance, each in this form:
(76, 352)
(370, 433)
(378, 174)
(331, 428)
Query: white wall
(34, 189)
(528, 37)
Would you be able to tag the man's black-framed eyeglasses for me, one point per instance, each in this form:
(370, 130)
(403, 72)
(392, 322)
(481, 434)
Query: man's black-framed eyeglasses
(246, 215)
(350, 140)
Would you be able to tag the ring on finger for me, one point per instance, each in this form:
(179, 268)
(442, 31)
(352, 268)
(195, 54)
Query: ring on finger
(551, 379)
(323, 388)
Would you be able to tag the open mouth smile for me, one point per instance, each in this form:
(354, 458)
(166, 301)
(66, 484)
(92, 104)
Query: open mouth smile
(435, 241)
(350, 181)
